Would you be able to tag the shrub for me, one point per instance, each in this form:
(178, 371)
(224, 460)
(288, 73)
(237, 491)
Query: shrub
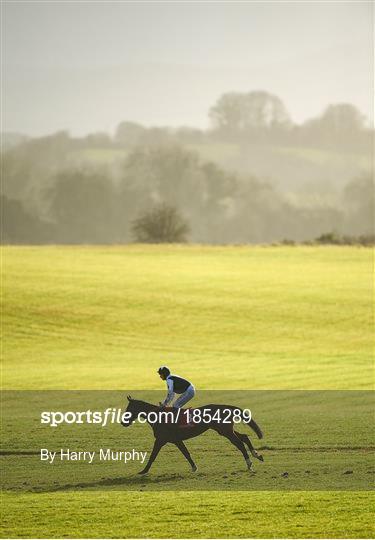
(335, 239)
(329, 238)
(161, 224)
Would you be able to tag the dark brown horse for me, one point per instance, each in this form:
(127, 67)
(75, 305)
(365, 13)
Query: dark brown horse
(167, 432)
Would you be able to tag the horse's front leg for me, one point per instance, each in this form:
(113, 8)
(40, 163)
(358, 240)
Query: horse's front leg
(158, 445)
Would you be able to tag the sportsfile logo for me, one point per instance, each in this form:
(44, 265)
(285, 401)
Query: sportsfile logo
(102, 418)
(117, 416)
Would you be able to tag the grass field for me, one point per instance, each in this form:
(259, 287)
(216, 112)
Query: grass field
(228, 318)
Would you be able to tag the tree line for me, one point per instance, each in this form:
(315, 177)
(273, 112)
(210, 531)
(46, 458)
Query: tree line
(84, 205)
(261, 117)
(157, 184)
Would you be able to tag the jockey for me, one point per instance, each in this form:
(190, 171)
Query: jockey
(176, 385)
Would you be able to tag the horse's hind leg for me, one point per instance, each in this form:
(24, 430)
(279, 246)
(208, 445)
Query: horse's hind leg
(181, 446)
(245, 439)
(232, 437)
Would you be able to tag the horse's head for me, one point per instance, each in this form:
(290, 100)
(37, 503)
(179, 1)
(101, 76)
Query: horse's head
(133, 409)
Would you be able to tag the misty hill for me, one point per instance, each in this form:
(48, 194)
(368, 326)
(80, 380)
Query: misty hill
(296, 169)
(251, 133)
(253, 177)
(299, 169)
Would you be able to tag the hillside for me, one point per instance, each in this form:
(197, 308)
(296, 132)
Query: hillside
(240, 318)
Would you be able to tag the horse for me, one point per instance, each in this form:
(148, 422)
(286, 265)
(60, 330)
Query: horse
(165, 432)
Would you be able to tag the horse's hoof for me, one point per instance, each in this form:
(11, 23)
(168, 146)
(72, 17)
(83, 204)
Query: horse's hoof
(194, 469)
(261, 458)
(249, 464)
(143, 472)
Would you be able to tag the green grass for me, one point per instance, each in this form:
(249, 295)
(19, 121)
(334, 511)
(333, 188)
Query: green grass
(300, 452)
(229, 154)
(216, 152)
(323, 157)
(185, 515)
(226, 317)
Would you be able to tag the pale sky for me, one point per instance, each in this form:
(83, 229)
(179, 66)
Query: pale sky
(86, 66)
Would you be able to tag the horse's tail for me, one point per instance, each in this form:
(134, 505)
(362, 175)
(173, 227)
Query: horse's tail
(254, 426)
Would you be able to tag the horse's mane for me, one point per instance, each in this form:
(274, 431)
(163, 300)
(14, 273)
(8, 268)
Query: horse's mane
(141, 401)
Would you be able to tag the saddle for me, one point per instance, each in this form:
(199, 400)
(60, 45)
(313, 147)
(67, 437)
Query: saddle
(182, 418)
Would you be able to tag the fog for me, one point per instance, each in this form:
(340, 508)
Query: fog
(85, 66)
(252, 122)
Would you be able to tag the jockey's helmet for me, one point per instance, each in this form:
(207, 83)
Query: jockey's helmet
(163, 370)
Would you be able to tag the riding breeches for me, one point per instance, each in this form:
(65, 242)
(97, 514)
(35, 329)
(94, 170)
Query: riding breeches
(185, 397)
